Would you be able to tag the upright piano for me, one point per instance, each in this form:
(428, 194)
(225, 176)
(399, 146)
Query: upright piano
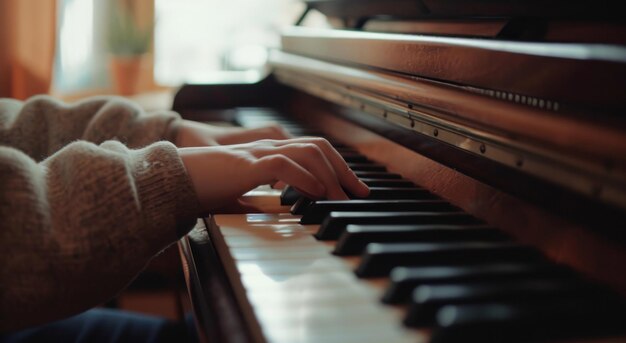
(493, 136)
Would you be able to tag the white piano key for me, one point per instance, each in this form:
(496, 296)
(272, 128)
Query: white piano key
(319, 325)
(288, 290)
(328, 288)
(268, 218)
(282, 230)
(271, 239)
(260, 224)
(323, 297)
(358, 334)
(271, 268)
(297, 290)
(265, 199)
(282, 253)
(320, 317)
(264, 190)
(301, 282)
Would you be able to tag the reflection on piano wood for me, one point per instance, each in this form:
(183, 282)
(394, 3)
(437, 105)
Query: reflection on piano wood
(498, 205)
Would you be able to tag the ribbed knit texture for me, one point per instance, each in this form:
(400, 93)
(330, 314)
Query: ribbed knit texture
(77, 226)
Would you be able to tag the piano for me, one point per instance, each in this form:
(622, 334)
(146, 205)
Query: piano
(493, 136)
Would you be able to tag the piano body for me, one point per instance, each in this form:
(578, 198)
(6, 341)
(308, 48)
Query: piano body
(494, 136)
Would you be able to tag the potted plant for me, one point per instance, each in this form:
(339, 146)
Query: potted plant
(128, 42)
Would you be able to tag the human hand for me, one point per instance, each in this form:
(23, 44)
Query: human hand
(195, 134)
(221, 174)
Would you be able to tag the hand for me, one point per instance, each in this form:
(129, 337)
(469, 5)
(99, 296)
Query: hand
(195, 134)
(221, 174)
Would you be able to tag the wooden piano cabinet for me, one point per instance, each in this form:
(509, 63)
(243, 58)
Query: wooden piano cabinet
(221, 319)
(217, 316)
(569, 228)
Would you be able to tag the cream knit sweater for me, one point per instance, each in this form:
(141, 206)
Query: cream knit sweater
(80, 213)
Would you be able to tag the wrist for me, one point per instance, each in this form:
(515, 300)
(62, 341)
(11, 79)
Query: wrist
(194, 134)
(174, 132)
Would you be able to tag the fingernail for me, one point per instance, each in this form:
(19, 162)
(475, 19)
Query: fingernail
(364, 186)
(344, 196)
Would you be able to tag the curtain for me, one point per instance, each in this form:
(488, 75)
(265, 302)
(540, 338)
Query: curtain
(27, 42)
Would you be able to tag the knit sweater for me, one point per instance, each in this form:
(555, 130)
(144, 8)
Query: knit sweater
(81, 213)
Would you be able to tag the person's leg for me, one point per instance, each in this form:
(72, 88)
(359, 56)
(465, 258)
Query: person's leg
(103, 325)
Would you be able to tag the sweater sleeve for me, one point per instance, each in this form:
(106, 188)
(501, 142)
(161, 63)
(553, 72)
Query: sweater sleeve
(42, 125)
(78, 226)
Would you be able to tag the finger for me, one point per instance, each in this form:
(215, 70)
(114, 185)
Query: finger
(282, 168)
(276, 131)
(273, 132)
(345, 175)
(314, 160)
(341, 171)
(279, 185)
(311, 157)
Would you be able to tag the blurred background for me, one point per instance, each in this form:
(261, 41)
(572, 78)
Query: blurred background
(142, 49)
(78, 48)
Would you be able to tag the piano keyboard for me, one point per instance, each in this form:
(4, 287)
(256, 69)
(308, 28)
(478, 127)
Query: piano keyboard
(297, 291)
(400, 266)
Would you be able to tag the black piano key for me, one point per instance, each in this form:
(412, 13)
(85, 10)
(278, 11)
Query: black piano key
(515, 323)
(376, 175)
(301, 132)
(354, 239)
(314, 212)
(428, 300)
(289, 196)
(259, 119)
(338, 145)
(354, 158)
(291, 126)
(346, 150)
(335, 223)
(405, 279)
(388, 193)
(367, 167)
(380, 258)
(388, 183)
(301, 205)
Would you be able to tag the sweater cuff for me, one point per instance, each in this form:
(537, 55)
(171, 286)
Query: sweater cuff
(166, 194)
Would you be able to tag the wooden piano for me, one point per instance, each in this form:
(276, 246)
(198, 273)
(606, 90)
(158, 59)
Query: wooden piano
(493, 136)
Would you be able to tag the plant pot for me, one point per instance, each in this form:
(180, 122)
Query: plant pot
(125, 71)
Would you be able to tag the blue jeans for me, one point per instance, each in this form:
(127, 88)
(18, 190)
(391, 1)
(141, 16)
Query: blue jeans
(105, 325)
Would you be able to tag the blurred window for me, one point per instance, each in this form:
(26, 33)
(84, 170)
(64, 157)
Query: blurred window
(81, 52)
(196, 39)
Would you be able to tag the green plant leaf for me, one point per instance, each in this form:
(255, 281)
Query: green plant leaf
(125, 37)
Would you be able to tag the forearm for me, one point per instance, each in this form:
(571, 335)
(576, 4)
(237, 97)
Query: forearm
(42, 125)
(79, 226)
